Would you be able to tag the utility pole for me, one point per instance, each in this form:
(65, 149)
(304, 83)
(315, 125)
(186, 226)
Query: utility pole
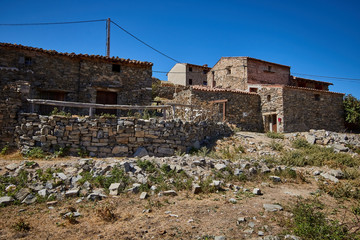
(108, 37)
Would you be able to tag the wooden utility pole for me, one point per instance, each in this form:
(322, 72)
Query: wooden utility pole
(108, 37)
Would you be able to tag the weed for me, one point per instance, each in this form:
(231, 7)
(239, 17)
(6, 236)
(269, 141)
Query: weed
(275, 135)
(82, 152)
(106, 213)
(340, 190)
(35, 152)
(29, 164)
(353, 148)
(4, 150)
(56, 112)
(203, 152)
(311, 223)
(71, 218)
(180, 153)
(21, 226)
(300, 143)
(61, 152)
(107, 115)
(276, 146)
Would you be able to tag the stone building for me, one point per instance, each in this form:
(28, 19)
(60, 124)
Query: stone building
(285, 103)
(76, 77)
(187, 74)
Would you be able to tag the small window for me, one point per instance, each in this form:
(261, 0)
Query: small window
(190, 69)
(205, 83)
(268, 98)
(205, 71)
(116, 68)
(228, 70)
(253, 90)
(28, 61)
(269, 68)
(317, 97)
(190, 81)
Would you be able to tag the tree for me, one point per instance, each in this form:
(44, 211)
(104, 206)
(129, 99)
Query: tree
(352, 112)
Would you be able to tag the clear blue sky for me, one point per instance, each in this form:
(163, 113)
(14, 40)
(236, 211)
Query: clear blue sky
(313, 37)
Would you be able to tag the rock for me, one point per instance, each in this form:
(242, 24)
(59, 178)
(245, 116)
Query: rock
(252, 170)
(196, 145)
(135, 188)
(260, 233)
(292, 237)
(238, 172)
(272, 207)
(310, 139)
(95, 196)
(12, 166)
(72, 192)
(329, 177)
(251, 224)
(120, 149)
(196, 189)
(275, 178)
(9, 188)
(270, 237)
(22, 194)
(6, 200)
(140, 152)
(265, 169)
(220, 238)
(144, 195)
(115, 188)
(240, 220)
(336, 173)
(232, 200)
(29, 199)
(316, 173)
(220, 166)
(170, 193)
(43, 192)
(72, 214)
(340, 148)
(257, 191)
(52, 203)
(62, 176)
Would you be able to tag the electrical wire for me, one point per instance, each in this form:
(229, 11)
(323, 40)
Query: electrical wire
(50, 23)
(132, 35)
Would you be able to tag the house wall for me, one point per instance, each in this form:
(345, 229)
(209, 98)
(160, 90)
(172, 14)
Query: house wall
(242, 109)
(78, 77)
(197, 75)
(177, 75)
(234, 80)
(272, 103)
(302, 112)
(258, 73)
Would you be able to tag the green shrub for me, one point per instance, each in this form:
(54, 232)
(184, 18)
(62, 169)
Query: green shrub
(4, 150)
(56, 112)
(82, 152)
(35, 152)
(275, 135)
(301, 143)
(311, 223)
(276, 146)
(352, 112)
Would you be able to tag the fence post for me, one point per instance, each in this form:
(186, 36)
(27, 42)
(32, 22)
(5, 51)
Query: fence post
(91, 112)
(164, 113)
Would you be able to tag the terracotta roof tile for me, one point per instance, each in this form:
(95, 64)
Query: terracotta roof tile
(311, 80)
(208, 89)
(312, 89)
(74, 55)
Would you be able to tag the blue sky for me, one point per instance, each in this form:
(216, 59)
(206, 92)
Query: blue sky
(313, 37)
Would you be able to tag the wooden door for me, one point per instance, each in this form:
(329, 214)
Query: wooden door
(50, 95)
(274, 123)
(104, 97)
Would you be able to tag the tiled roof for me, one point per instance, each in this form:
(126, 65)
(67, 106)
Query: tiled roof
(259, 60)
(312, 89)
(74, 55)
(209, 89)
(311, 80)
(198, 66)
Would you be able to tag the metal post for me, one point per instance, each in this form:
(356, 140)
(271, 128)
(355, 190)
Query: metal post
(108, 37)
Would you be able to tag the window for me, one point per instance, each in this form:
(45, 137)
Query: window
(190, 69)
(269, 68)
(190, 81)
(205, 71)
(27, 61)
(268, 98)
(301, 84)
(253, 90)
(228, 70)
(205, 83)
(116, 68)
(317, 97)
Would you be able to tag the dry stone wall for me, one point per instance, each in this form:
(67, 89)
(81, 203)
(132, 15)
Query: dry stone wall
(108, 137)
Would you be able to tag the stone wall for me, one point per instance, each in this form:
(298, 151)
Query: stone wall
(166, 90)
(109, 137)
(78, 76)
(242, 108)
(306, 109)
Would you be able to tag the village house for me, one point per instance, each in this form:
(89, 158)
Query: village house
(187, 74)
(262, 96)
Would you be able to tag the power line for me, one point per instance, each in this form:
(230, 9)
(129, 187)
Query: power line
(132, 35)
(49, 23)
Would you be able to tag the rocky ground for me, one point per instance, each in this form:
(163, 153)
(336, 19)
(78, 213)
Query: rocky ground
(248, 186)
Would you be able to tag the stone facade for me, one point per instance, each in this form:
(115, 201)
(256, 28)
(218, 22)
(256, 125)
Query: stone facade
(187, 74)
(106, 137)
(306, 109)
(76, 77)
(241, 108)
(166, 90)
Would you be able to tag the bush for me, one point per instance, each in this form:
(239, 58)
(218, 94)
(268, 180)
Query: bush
(276, 146)
(352, 112)
(300, 143)
(275, 135)
(311, 223)
(35, 152)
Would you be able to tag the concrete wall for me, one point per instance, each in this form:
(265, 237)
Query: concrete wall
(109, 137)
(303, 112)
(177, 75)
(180, 74)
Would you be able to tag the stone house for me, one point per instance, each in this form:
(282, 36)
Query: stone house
(76, 77)
(187, 74)
(280, 102)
